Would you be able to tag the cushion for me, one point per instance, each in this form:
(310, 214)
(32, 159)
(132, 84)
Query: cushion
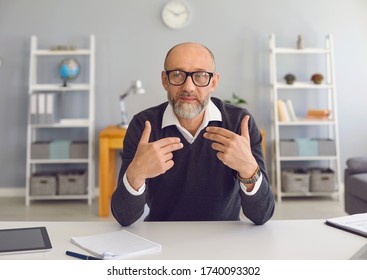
(356, 185)
(357, 165)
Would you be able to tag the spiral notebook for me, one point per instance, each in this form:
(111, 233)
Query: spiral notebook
(120, 244)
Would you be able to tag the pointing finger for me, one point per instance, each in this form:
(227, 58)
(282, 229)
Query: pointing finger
(146, 133)
(244, 126)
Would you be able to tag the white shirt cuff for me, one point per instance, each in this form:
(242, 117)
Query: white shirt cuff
(256, 187)
(142, 188)
(130, 188)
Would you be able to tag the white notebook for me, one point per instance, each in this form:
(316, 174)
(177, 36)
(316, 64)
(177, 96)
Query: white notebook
(356, 223)
(116, 245)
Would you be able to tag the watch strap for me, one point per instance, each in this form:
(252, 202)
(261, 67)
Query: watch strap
(252, 180)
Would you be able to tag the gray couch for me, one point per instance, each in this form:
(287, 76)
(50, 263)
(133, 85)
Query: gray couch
(355, 184)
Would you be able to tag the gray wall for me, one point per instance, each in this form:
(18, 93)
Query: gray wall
(131, 42)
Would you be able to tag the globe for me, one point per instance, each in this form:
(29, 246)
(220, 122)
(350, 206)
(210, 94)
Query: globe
(69, 69)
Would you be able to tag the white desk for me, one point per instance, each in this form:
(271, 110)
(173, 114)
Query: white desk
(277, 239)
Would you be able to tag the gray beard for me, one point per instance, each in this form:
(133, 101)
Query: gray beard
(188, 111)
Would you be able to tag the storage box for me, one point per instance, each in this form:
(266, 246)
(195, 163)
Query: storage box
(323, 180)
(326, 147)
(60, 149)
(288, 148)
(43, 184)
(307, 147)
(72, 182)
(79, 149)
(297, 181)
(40, 150)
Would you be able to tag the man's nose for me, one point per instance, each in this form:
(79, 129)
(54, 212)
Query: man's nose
(189, 85)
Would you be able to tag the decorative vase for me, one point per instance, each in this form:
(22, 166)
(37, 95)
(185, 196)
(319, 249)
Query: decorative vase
(317, 78)
(289, 79)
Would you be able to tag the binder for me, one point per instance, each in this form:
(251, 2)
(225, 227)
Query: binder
(49, 114)
(33, 109)
(41, 108)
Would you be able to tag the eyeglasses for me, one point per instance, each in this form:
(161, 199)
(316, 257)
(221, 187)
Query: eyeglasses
(199, 78)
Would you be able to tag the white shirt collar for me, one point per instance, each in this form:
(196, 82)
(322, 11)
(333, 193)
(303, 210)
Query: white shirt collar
(212, 113)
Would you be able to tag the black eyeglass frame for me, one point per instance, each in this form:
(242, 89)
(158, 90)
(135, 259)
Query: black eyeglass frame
(211, 74)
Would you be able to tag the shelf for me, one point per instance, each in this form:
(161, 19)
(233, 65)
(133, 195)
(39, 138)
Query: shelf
(306, 123)
(300, 51)
(301, 85)
(58, 197)
(58, 161)
(58, 125)
(323, 94)
(310, 158)
(59, 87)
(57, 112)
(44, 52)
(309, 194)
(62, 125)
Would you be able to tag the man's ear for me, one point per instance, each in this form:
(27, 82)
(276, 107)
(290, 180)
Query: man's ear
(164, 79)
(215, 81)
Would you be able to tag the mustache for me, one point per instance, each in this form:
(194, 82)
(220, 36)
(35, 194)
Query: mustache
(187, 94)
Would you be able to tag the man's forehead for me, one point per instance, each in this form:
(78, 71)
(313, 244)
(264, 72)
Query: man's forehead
(189, 49)
(189, 55)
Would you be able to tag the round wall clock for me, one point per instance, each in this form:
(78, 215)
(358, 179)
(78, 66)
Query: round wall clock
(176, 14)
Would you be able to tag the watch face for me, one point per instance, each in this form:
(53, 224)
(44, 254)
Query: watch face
(176, 14)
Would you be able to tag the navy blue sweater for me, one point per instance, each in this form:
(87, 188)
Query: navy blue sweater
(199, 187)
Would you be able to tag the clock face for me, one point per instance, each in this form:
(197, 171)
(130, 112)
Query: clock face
(176, 14)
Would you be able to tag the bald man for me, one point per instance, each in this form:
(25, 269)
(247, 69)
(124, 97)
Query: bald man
(192, 158)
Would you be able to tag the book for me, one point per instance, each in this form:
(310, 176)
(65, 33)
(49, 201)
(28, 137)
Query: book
(120, 244)
(283, 114)
(356, 223)
(290, 108)
(321, 114)
(318, 112)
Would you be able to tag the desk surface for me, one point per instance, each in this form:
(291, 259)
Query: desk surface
(277, 239)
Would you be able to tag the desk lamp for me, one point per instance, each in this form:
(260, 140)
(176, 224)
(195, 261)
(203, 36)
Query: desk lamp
(135, 88)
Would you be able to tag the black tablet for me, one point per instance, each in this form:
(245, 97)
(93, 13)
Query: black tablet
(23, 240)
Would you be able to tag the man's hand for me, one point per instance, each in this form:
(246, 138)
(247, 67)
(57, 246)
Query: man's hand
(233, 150)
(151, 158)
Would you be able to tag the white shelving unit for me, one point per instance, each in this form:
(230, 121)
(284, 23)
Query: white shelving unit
(83, 127)
(316, 58)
